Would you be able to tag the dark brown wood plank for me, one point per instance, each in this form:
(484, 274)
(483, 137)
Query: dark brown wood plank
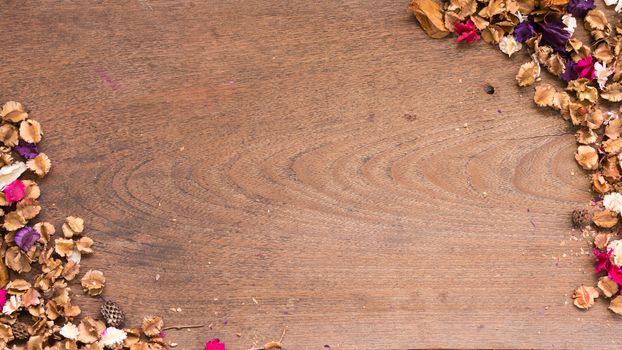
(312, 155)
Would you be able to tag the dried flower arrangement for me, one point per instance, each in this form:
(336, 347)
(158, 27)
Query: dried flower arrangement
(36, 270)
(593, 75)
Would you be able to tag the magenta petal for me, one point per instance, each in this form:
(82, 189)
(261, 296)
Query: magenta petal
(2, 298)
(214, 344)
(26, 237)
(615, 273)
(603, 260)
(15, 191)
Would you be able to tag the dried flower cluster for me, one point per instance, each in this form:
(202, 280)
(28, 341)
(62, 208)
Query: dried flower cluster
(593, 75)
(36, 270)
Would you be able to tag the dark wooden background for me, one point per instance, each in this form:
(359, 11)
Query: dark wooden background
(323, 157)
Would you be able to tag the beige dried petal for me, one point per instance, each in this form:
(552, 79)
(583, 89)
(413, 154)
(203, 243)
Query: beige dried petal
(11, 106)
(41, 164)
(587, 157)
(602, 240)
(93, 346)
(586, 136)
(584, 297)
(32, 189)
(17, 260)
(71, 270)
(46, 230)
(93, 282)
(90, 329)
(555, 64)
(430, 16)
(35, 343)
(594, 119)
(544, 95)
(30, 131)
(18, 287)
(84, 245)
(31, 298)
(64, 247)
(612, 92)
(583, 91)
(73, 226)
(616, 305)
(527, 74)
(28, 208)
(152, 326)
(605, 218)
(9, 135)
(607, 286)
(613, 146)
(613, 129)
(4, 274)
(595, 20)
(6, 333)
(13, 221)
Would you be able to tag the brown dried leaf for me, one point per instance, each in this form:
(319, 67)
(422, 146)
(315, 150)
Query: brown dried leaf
(430, 16)
(527, 74)
(587, 157)
(93, 282)
(584, 297)
(152, 326)
(40, 164)
(605, 218)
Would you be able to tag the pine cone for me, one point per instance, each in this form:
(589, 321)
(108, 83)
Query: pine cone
(113, 314)
(20, 331)
(581, 217)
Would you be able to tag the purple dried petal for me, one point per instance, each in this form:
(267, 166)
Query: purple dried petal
(26, 237)
(554, 33)
(524, 31)
(27, 150)
(570, 71)
(579, 8)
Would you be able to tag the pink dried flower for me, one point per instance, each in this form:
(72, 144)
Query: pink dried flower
(585, 68)
(15, 191)
(466, 31)
(615, 273)
(214, 344)
(2, 297)
(603, 260)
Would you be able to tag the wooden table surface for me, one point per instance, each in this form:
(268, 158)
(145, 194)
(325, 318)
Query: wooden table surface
(323, 157)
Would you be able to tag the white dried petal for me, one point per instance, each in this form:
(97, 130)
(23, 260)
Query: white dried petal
(70, 331)
(509, 45)
(10, 173)
(12, 304)
(111, 337)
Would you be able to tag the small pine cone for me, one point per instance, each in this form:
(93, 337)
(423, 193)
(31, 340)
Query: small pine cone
(581, 217)
(20, 331)
(113, 314)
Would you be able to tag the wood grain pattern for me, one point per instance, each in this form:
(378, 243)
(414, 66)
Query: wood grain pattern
(312, 155)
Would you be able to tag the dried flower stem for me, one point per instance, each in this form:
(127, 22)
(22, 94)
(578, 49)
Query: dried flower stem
(183, 327)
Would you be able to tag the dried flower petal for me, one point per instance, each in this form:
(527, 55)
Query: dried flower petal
(527, 74)
(111, 337)
(612, 92)
(579, 8)
(26, 237)
(14, 191)
(26, 150)
(605, 218)
(584, 297)
(10, 173)
(152, 326)
(509, 46)
(13, 221)
(70, 331)
(30, 131)
(587, 157)
(93, 282)
(544, 95)
(214, 344)
(430, 16)
(90, 329)
(40, 164)
(73, 226)
(466, 31)
(616, 305)
(607, 286)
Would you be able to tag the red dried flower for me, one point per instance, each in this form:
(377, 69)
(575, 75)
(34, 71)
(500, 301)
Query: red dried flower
(15, 191)
(466, 31)
(603, 260)
(214, 344)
